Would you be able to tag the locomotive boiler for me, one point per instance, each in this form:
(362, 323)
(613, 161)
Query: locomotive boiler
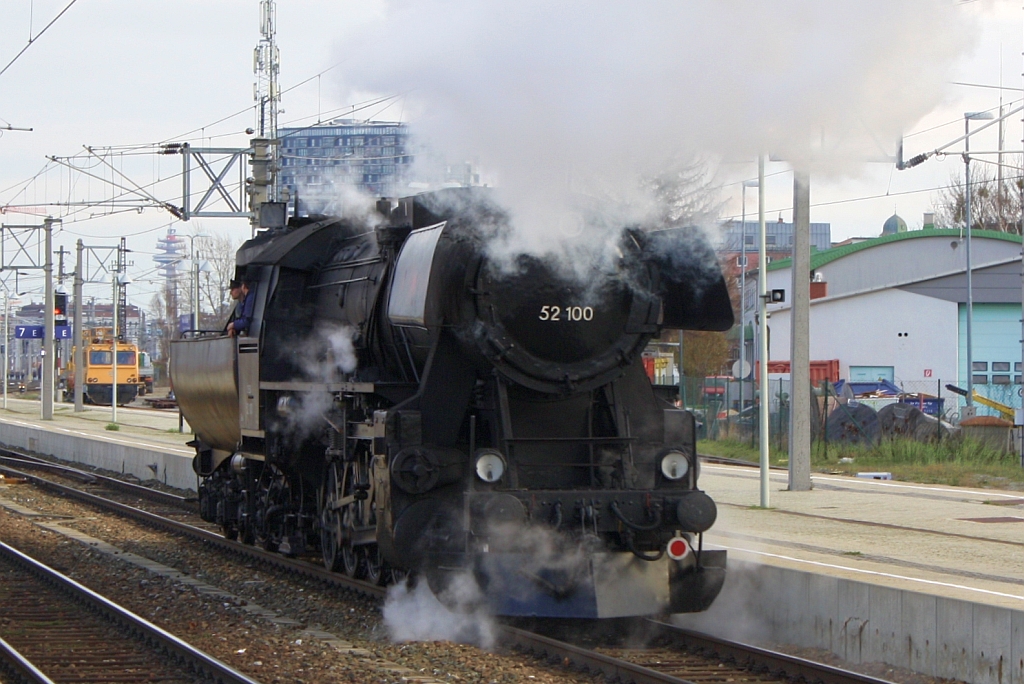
(404, 401)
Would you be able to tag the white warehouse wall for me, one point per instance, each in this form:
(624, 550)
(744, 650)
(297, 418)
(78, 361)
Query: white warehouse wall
(863, 330)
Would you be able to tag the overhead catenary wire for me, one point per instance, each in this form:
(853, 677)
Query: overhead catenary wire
(32, 40)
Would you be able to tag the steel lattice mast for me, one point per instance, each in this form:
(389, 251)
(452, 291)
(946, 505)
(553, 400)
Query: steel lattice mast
(266, 91)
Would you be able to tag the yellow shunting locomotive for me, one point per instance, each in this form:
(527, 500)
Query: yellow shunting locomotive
(98, 358)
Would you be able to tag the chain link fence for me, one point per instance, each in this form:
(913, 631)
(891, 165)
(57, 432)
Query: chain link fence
(726, 408)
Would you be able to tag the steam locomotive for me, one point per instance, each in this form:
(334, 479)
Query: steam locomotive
(405, 401)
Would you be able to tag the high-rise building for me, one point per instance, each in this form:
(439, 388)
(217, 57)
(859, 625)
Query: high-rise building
(317, 162)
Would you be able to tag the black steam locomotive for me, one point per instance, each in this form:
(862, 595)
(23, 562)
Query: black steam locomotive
(402, 401)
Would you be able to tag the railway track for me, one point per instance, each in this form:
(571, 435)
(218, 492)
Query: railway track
(56, 630)
(18, 459)
(678, 656)
(725, 460)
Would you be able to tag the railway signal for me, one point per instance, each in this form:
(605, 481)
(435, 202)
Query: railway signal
(60, 309)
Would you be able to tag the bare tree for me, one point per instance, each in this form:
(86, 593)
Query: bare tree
(216, 254)
(219, 252)
(164, 304)
(992, 207)
(686, 195)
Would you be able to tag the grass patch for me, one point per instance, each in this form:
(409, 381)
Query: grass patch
(734, 448)
(113, 427)
(852, 553)
(957, 462)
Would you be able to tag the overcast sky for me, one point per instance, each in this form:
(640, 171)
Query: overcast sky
(732, 76)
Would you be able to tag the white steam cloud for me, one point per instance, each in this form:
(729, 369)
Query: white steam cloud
(415, 614)
(547, 561)
(328, 355)
(591, 96)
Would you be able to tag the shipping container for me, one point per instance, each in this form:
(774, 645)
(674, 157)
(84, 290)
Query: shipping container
(821, 371)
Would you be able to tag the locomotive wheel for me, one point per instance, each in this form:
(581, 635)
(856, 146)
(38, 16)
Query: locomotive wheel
(269, 531)
(332, 541)
(376, 568)
(351, 563)
(353, 560)
(397, 575)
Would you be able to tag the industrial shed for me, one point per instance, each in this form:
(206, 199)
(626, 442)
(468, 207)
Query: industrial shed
(894, 308)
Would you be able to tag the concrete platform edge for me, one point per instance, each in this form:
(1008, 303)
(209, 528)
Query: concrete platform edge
(864, 623)
(174, 470)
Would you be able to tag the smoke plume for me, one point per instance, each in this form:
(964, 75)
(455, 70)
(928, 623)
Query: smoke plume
(559, 100)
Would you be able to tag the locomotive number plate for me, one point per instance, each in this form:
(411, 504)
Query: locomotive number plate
(568, 313)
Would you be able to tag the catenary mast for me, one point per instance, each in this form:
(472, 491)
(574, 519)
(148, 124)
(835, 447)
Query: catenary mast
(266, 91)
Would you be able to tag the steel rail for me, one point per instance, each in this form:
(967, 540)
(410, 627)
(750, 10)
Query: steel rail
(212, 538)
(177, 648)
(15, 663)
(754, 657)
(612, 668)
(746, 656)
(19, 459)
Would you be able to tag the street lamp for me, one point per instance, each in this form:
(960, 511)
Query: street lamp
(743, 286)
(195, 277)
(7, 339)
(968, 118)
(762, 340)
(118, 280)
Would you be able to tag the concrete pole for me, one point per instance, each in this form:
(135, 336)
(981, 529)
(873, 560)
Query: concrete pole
(762, 327)
(113, 349)
(195, 290)
(743, 290)
(46, 388)
(970, 268)
(7, 340)
(800, 339)
(79, 337)
(682, 378)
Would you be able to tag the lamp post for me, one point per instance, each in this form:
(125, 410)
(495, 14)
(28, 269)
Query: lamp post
(119, 280)
(7, 339)
(743, 287)
(195, 278)
(968, 118)
(762, 307)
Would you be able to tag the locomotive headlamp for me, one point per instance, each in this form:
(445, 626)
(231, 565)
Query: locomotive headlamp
(490, 465)
(675, 465)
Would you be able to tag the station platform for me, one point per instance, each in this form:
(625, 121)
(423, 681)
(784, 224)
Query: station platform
(146, 444)
(924, 577)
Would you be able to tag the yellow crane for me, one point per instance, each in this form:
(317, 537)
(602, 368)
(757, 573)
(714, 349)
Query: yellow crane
(1007, 412)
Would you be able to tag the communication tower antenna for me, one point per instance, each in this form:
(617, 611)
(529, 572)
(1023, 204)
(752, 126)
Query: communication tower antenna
(266, 92)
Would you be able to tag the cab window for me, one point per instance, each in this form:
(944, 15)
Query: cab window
(100, 358)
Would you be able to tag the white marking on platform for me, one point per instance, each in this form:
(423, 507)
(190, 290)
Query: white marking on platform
(876, 573)
(870, 483)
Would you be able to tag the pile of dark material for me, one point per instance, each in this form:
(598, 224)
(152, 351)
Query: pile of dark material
(855, 423)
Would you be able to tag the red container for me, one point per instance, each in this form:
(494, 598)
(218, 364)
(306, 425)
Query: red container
(820, 370)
